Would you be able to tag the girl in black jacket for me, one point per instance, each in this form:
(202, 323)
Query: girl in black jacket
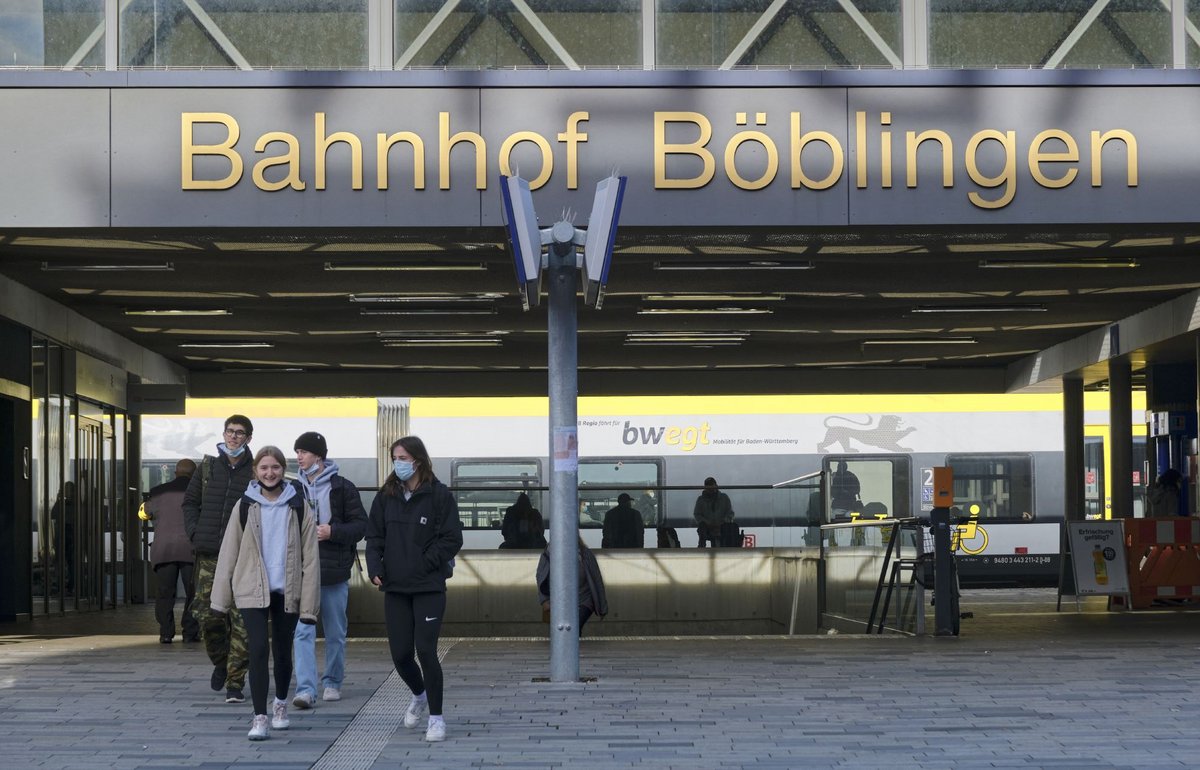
(413, 533)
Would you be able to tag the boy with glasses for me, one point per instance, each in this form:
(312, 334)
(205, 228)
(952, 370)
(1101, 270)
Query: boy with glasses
(216, 485)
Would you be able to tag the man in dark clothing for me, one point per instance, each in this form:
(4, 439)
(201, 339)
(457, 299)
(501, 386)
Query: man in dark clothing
(216, 485)
(712, 509)
(171, 554)
(623, 526)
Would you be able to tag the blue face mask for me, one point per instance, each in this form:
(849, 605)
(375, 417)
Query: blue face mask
(235, 452)
(404, 469)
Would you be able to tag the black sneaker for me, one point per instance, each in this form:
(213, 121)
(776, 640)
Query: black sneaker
(218, 678)
(191, 639)
(164, 639)
(234, 696)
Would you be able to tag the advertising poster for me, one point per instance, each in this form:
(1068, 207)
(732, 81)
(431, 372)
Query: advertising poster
(1098, 551)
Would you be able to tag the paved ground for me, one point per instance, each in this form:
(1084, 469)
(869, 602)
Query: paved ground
(1023, 687)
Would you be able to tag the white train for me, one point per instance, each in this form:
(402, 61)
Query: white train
(1006, 452)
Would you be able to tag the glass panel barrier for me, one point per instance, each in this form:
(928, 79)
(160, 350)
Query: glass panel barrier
(784, 516)
(862, 558)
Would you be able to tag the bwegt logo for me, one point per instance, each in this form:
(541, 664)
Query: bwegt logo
(686, 437)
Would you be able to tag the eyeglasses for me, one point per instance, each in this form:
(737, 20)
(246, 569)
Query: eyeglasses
(236, 433)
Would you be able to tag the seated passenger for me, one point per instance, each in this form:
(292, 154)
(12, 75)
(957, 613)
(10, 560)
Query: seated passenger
(523, 525)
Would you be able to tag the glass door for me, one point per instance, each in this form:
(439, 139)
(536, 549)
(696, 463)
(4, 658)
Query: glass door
(88, 550)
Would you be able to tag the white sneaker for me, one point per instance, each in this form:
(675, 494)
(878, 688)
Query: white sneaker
(331, 693)
(304, 700)
(416, 710)
(436, 731)
(258, 728)
(279, 718)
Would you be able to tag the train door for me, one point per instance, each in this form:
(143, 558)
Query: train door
(1097, 502)
(862, 486)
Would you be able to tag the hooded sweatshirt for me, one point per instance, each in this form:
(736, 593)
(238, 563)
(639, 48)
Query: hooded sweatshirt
(316, 491)
(276, 515)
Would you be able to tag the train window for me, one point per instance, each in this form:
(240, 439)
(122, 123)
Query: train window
(867, 487)
(993, 486)
(485, 488)
(601, 480)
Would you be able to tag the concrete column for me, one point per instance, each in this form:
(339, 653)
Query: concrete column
(1073, 448)
(1120, 450)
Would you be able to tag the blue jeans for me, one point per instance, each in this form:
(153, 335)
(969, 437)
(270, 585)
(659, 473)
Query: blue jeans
(333, 620)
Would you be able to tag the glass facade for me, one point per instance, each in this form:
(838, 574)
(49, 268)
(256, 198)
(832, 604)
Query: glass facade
(758, 33)
(485, 34)
(240, 34)
(52, 33)
(581, 34)
(1072, 34)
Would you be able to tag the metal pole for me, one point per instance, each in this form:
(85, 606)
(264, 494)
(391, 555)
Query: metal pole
(943, 573)
(564, 476)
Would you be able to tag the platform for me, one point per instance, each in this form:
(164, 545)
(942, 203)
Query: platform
(1022, 687)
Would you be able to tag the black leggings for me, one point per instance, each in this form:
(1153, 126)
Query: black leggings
(416, 618)
(257, 641)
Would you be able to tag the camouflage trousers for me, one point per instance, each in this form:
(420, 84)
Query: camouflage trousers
(224, 637)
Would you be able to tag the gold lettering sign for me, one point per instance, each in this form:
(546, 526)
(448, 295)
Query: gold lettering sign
(684, 155)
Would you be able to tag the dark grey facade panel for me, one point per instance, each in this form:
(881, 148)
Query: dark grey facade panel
(698, 157)
(54, 163)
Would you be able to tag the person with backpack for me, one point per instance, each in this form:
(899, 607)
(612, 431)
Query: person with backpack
(623, 525)
(413, 533)
(593, 600)
(341, 523)
(217, 484)
(268, 567)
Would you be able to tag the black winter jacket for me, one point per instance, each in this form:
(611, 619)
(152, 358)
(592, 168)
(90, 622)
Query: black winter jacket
(204, 519)
(403, 548)
(347, 523)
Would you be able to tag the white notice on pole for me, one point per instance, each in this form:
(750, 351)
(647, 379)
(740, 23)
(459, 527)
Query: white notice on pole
(566, 450)
(1098, 557)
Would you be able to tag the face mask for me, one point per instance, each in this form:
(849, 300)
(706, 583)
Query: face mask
(277, 485)
(312, 466)
(404, 469)
(235, 452)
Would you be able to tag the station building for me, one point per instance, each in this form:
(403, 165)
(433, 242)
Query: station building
(249, 198)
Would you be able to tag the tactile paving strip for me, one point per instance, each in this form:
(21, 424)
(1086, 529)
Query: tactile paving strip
(364, 739)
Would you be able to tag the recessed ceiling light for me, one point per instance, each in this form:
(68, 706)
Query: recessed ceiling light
(921, 341)
(372, 267)
(979, 309)
(176, 312)
(1022, 264)
(230, 344)
(747, 296)
(428, 298)
(704, 311)
(99, 267)
(430, 311)
(464, 342)
(755, 264)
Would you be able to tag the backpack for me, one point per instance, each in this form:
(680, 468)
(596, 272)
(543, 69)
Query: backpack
(206, 475)
(668, 537)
